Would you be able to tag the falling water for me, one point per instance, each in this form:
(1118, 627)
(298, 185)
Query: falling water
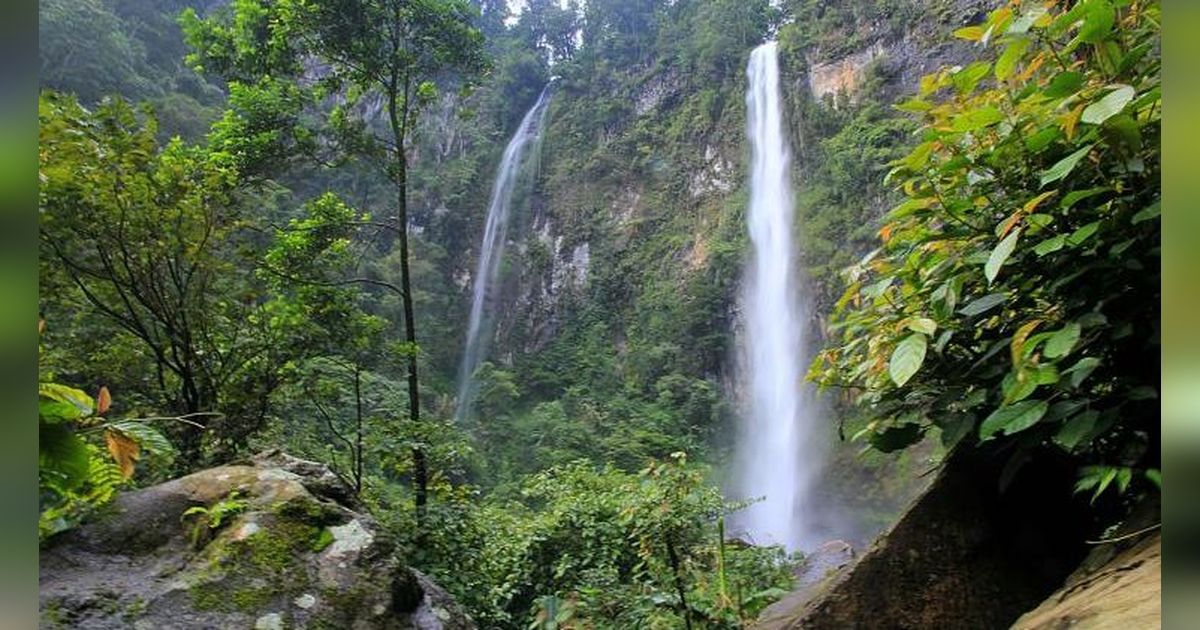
(777, 454)
(491, 251)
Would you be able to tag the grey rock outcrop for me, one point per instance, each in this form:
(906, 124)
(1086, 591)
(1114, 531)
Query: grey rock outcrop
(290, 551)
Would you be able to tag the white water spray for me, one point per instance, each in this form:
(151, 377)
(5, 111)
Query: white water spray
(487, 270)
(777, 452)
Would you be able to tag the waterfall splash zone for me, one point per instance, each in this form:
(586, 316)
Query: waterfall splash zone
(778, 456)
(491, 250)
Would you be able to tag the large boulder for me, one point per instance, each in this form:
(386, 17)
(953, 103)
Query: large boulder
(966, 554)
(1124, 592)
(1117, 586)
(277, 542)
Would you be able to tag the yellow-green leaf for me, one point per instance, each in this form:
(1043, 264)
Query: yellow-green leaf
(907, 358)
(1003, 250)
(1010, 57)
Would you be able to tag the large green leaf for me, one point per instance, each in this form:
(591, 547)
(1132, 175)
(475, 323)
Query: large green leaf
(1076, 196)
(1076, 238)
(1081, 370)
(1009, 58)
(63, 457)
(1150, 212)
(1013, 418)
(1109, 106)
(1064, 166)
(983, 304)
(62, 393)
(55, 411)
(1076, 429)
(1063, 84)
(1098, 19)
(1062, 341)
(1050, 245)
(907, 358)
(1002, 251)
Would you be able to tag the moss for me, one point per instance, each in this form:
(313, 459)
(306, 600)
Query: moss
(323, 540)
(134, 609)
(247, 574)
(307, 510)
(53, 616)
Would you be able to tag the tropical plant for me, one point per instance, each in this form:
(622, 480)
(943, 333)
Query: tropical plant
(212, 517)
(74, 475)
(1011, 300)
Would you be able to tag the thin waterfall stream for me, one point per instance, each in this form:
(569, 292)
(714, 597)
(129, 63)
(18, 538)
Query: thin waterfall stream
(777, 455)
(491, 251)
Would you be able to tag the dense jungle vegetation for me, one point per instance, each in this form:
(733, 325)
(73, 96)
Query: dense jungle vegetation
(259, 217)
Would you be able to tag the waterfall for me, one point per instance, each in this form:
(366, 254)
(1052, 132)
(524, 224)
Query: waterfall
(777, 450)
(491, 250)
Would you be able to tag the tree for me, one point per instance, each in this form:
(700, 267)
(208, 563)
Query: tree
(390, 50)
(312, 266)
(1011, 300)
(146, 237)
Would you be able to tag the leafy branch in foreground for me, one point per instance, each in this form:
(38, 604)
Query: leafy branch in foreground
(1012, 298)
(74, 476)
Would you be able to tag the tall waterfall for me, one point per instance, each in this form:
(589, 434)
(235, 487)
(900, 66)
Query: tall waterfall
(777, 453)
(491, 250)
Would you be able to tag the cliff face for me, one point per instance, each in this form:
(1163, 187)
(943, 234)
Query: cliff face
(645, 166)
(626, 261)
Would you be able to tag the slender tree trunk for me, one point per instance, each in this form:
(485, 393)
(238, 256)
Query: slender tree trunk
(358, 431)
(674, 559)
(420, 466)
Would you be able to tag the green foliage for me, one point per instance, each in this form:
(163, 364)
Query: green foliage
(213, 517)
(583, 546)
(1025, 252)
(75, 478)
(145, 240)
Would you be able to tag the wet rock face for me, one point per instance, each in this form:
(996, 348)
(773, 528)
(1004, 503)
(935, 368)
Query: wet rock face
(276, 542)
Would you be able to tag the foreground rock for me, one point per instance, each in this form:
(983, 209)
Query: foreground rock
(1118, 585)
(290, 551)
(964, 555)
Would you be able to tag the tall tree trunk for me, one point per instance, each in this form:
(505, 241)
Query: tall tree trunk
(420, 466)
(358, 431)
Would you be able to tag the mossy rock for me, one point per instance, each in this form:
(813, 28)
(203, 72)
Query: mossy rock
(290, 551)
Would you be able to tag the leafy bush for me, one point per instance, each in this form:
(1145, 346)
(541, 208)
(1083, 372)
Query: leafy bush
(1012, 295)
(602, 548)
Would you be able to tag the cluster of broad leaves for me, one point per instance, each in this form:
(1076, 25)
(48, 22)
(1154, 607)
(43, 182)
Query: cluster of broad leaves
(582, 546)
(74, 474)
(1014, 294)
